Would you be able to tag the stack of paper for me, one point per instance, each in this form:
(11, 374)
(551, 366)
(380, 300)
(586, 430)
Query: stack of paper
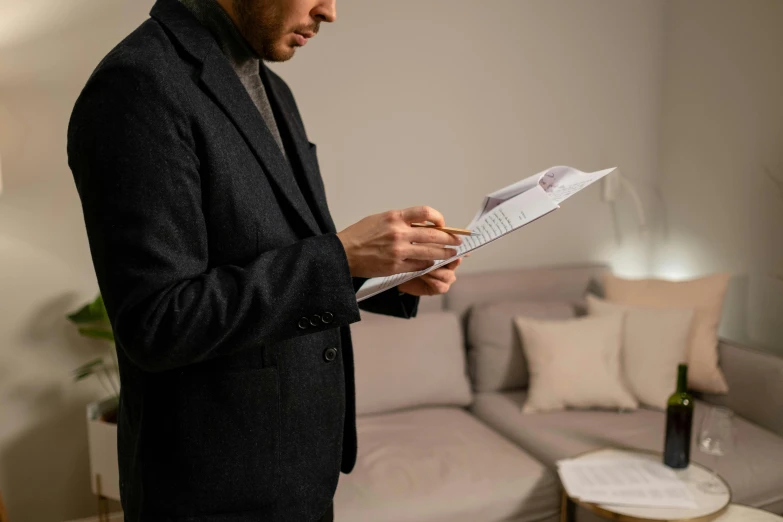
(622, 479)
(501, 213)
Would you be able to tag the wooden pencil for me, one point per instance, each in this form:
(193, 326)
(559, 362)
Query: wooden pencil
(450, 230)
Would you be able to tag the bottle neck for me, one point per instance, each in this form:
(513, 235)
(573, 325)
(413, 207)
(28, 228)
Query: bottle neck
(682, 378)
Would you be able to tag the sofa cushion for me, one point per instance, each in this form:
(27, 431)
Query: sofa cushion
(655, 342)
(495, 356)
(441, 464)
(752, 469)
(405, 363)
(705, 295)
(562, 283)
(574, 363)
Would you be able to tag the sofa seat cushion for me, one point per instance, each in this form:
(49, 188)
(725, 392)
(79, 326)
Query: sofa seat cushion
(441, 464)
(752, 469)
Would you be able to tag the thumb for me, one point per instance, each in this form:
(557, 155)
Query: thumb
(422, 214)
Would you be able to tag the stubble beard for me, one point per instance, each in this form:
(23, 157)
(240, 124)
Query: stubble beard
(262, 25)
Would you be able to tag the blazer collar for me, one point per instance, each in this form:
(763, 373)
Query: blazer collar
(180, 22)
(222, 82)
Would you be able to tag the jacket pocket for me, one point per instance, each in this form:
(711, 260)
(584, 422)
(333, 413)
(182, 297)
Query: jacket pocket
(225, 441)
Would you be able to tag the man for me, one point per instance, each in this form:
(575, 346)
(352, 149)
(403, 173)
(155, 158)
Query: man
(228, 288)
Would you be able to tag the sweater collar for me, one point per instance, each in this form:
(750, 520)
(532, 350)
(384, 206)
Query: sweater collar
(234, 46)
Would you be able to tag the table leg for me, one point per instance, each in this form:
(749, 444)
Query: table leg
(567, 509)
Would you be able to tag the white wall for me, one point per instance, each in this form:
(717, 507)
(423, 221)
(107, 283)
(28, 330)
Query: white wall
(45, 267)
(722, 127)
(411, 102)
(439, 102)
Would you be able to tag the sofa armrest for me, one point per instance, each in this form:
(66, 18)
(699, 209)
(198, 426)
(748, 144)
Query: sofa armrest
(755, 381)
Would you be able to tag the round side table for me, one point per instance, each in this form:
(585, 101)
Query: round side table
(738, 513)
(709, 506)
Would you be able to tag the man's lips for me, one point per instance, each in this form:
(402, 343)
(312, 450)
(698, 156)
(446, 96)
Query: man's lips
(301, 38)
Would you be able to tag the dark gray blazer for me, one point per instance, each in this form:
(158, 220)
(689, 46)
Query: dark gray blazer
(228, 290)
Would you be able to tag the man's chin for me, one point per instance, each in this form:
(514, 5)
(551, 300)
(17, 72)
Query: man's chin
(280, 53)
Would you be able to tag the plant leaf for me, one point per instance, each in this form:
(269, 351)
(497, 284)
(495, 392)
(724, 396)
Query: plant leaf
(91, 313)
(82, 375)
(87, 369)
(97, 333)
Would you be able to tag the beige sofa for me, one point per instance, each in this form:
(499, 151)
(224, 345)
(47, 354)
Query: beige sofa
(441, 435)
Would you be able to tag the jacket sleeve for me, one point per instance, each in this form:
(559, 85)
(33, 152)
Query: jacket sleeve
(132, 153)
(391, 302)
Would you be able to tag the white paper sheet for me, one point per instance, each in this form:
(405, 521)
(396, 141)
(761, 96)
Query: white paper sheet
(502, 212)
(624, 481)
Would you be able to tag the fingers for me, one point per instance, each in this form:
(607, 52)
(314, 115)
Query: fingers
(430, 235)
(440, 280)
(449, 268)
(454, 264)
(443, 275)
(438, 287)
(412, 265)
(427, 252)
(422, 214)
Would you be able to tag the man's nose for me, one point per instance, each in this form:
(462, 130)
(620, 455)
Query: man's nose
(326, 11)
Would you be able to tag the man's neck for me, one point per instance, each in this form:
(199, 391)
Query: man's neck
(228, 7)
(219, 21)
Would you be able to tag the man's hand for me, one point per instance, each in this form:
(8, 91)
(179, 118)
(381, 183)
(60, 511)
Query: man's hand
(385, 244)
(432, 283)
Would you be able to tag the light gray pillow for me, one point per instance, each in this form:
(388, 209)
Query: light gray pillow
(495, 356)
(408, 363)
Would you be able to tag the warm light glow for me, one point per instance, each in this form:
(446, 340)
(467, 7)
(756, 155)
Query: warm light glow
(627, 259)
(674, 268)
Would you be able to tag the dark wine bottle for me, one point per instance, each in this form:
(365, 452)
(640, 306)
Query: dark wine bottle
(679, 421)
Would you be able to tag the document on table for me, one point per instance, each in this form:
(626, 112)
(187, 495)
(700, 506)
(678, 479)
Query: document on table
(624, 481)
(502, 212)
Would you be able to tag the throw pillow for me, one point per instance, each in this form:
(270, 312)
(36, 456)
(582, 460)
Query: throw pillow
(705, 295)
(402, 364)
(574, 363)
(655, 341)
(495, 355)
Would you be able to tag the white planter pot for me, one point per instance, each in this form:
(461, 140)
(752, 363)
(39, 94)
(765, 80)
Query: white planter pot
(102, 442)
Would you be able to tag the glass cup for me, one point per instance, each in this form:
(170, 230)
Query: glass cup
(716, 438)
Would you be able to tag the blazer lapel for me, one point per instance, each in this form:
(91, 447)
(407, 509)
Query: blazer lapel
(221, 81)
(289, 123)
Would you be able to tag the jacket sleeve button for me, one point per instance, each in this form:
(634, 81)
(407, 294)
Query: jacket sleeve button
(327, 317)
(304, 323)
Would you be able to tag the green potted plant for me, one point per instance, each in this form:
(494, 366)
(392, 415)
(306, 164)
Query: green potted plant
(92, 321)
